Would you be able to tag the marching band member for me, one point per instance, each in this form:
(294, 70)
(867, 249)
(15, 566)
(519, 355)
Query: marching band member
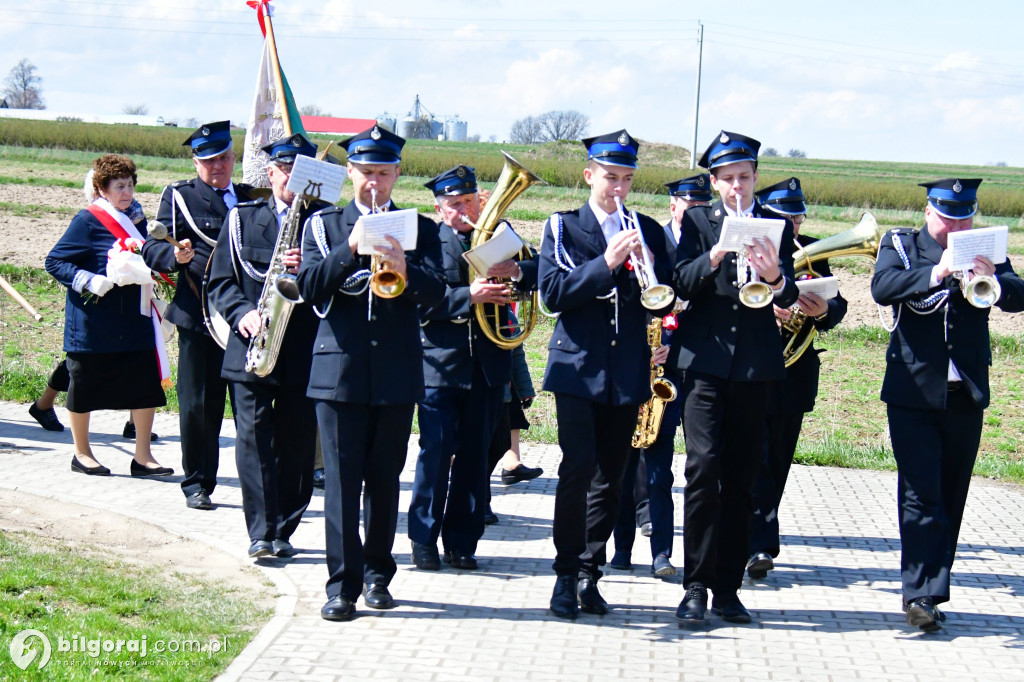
(367, 372)
(935, 387)
(194, 211)
(465, 375)
(729, 354)
(793, 397)
(275, 421)
(647, 486)
(597, 362)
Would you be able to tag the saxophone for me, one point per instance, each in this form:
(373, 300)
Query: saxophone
(648, 422)
(280, 295)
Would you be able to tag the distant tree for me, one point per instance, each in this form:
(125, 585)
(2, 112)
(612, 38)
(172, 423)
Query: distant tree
(526, 131)
(492, 138)
(796, 154)
(22, 88)
(190, 122)
(1000, 164)
(770, 151)
(135, 109)
(473, 138)
(564, 125)
(313, 110)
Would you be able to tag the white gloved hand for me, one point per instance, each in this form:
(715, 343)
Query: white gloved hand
(100, 284)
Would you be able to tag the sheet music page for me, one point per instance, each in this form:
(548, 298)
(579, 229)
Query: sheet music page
(317, 179)
(981, 241)
(825, 287)
(740, 232)
(374, 227)
(502, 245)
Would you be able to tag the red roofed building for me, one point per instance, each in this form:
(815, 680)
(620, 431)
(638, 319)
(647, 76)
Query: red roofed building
(330, 125)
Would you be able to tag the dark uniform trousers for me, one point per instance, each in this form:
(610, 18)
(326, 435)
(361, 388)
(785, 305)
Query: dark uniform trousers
(935, 425)
(730, 355)
(792, 398)
(275, 421)
(598, 359)
(201, 390)
(366, 378)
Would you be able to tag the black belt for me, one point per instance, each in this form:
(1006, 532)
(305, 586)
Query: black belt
(954, 385)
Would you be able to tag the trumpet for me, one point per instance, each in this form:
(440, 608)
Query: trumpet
(653, 295)
(753, 292)
(981, 291)
(384, 282)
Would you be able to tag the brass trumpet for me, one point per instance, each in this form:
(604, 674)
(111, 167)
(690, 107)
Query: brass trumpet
(384, 282)
(753, 292)
(653, 295)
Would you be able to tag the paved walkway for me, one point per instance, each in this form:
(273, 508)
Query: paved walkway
(829, 612)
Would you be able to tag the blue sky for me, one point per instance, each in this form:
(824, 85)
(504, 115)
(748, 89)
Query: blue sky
(899, 81)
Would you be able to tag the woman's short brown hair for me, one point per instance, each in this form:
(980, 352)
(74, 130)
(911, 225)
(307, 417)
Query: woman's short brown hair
(111, 167)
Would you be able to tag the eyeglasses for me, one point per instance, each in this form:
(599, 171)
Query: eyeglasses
(799, 219)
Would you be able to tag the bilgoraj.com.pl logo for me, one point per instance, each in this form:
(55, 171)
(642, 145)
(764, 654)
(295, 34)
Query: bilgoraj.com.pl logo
(26, 646)
(33, 648)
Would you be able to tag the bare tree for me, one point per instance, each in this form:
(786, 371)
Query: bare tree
(770, 152)
(526, 131)
(564, 125)
(313, 110)
(135, 109)
(796, 154)
(22, 88)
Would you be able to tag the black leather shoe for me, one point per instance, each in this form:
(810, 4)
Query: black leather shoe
(98, 470)
(694, 605)
(730, 609)
(425, 557)
(922, 613)
(646, 530)
(199, 500)
(940, 612)
(143, 470)
(520, 473)
(564, 602)
(378, 597)
(490, 518)
(46, 418)
(590, 598)
(621, 561)
(462, 560)
(283, 549)
(662, 567)
(129, 432)
(337, 608)
(260, 548)
(319, 478)
(759, 564)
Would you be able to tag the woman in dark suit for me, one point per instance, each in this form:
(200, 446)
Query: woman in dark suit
(114, 348)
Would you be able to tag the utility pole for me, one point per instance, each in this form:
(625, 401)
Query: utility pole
(696, 99)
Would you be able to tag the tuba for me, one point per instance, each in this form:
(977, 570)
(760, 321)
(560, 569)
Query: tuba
(648, 421)
(513, 181)
(861, 240)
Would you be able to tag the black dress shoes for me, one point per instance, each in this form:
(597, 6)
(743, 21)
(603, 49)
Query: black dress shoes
(425, 557)
(564, 601)
(283, 549)
(730, 609)
(693, 607)
(143, 470)
(590, 598)
(759, 564)
(319, 478)
(46, 418)
(378, 597)
(923, 613)
(337, 608)
(98, 470)
(462, 560)
(490, 518)
(129, 432)
(520, 473)
(199, 500)
(260, 548)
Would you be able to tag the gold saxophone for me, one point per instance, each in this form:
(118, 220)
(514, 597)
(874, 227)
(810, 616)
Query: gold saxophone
(663, 391)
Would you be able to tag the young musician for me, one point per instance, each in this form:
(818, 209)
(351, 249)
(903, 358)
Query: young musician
(598, 361)
(729, 353)
(275, 421)
(367, 372)
(936, 386)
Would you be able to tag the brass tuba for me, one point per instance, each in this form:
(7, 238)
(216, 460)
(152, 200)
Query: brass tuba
(861, 240)
(513, 181)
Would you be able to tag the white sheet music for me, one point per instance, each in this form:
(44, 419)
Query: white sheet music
(825, 287)
(317, 179)
(740, 232)
(982, 241)
(502, 245)
(374, 227)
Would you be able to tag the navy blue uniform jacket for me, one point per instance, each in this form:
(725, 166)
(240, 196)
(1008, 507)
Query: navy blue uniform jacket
(235, 295)
(376, 361)
(586, 357)
(209, 213)
(921, 347)
(446, 327)
(105, 324)
(717, 334)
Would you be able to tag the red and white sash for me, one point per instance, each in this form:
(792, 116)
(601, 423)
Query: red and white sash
(119, 225)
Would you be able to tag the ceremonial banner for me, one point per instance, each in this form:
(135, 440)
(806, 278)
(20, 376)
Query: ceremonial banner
(274, 114)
